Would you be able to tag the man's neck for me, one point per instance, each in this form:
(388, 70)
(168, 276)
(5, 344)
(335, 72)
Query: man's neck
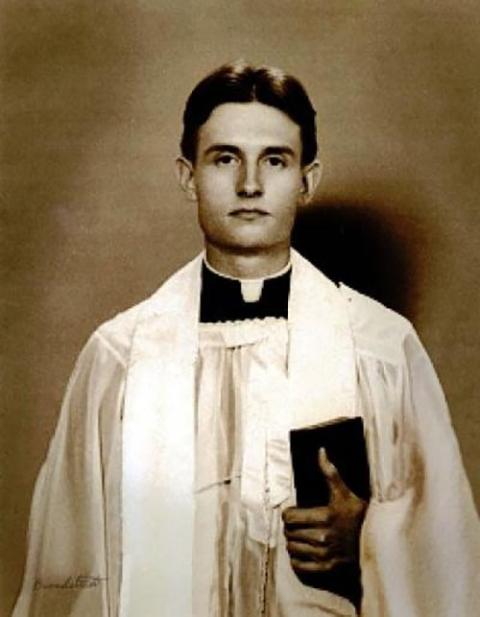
(249, 265)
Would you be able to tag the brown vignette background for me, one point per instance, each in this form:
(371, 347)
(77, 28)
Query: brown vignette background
(91, 96)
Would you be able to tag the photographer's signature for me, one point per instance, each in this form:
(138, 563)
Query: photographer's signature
(72, 582)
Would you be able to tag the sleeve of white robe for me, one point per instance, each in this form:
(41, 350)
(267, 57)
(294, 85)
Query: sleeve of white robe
(73, 540)
(421, 546)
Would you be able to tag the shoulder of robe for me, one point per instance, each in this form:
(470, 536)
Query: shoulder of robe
(377, 330)
(117, 333)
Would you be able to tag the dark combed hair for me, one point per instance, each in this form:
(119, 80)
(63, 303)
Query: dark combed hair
(239, 82)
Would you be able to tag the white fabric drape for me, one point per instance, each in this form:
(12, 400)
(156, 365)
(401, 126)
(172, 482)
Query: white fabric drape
(128, 421)
(243, 475)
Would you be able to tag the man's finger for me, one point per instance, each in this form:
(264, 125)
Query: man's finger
(301, 550)
(305, 517)
(313, 536)
(302, 566)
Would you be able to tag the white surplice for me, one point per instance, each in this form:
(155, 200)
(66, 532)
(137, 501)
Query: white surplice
(243, 476)
(114, 529)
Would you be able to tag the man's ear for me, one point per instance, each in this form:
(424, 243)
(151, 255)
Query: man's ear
(186, 177)
(311, 176)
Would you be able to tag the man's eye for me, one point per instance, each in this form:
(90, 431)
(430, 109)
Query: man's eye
(225, 159)
(275, 161)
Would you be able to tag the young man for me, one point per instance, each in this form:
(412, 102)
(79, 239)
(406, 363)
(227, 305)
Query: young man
(167, 489)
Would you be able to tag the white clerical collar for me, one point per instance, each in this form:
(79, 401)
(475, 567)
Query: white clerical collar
(251, 288)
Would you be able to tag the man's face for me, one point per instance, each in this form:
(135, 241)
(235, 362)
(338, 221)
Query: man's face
(247, 178)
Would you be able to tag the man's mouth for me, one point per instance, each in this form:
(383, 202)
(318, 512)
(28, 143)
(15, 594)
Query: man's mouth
(248, 214)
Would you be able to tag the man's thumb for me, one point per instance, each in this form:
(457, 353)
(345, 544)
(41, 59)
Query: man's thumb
(330, 472)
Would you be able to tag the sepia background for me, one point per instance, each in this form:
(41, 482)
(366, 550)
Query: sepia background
(91, 96)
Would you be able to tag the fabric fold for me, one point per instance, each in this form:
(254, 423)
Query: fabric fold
(128, 420)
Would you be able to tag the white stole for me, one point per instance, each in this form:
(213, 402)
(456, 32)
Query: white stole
(158, 424)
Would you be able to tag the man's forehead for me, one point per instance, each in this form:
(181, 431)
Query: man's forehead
(249, 125)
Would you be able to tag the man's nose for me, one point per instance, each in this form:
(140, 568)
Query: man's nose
(249, 182)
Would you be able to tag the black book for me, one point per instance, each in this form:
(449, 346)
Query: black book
(344, 443)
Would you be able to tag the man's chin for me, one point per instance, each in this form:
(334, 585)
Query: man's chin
(253, 247)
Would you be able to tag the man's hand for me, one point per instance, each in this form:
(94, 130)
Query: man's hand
(320, 539)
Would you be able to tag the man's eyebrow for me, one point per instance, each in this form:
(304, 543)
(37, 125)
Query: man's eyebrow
(222, 148)
(279, 150)
(267, 151)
